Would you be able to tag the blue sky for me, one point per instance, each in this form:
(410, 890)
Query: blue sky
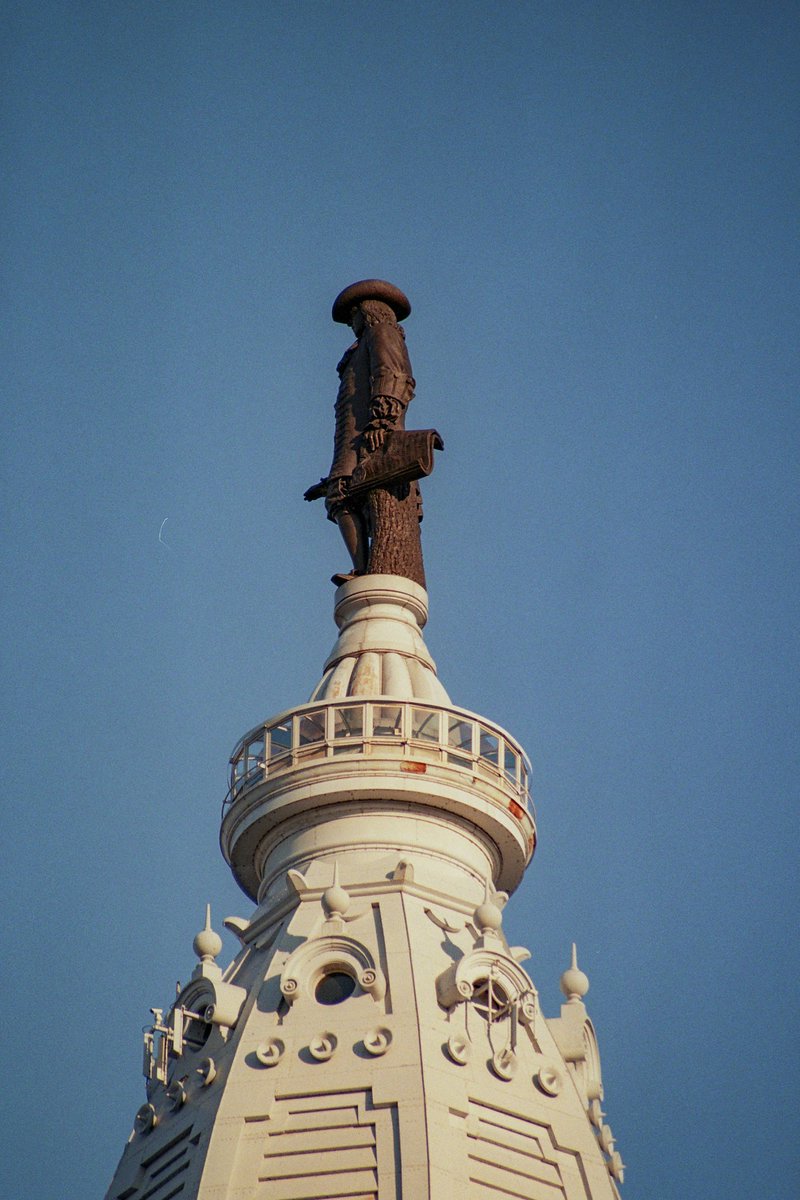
(594, 210)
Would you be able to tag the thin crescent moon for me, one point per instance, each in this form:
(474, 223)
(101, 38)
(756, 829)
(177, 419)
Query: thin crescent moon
(161, 530)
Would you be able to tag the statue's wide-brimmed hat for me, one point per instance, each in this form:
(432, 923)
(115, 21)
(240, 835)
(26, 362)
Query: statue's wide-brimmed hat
(370, 289)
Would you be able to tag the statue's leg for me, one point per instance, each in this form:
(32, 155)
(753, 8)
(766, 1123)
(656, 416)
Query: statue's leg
(354, 532)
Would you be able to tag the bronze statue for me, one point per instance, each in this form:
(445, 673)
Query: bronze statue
(371, 490)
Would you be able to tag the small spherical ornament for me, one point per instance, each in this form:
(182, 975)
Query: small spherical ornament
(207, 944)
(488, 916)
(335, 901)
(574, 983)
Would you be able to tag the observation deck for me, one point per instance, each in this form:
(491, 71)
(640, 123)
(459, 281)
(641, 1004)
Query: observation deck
(407, 758)
(417, 734)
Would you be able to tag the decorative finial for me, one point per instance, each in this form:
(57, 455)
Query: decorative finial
(207, 944)
(487, 915)
(574, 983)
(335, 900)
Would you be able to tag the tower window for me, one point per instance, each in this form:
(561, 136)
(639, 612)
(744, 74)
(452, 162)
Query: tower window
(387, 720)
(280, 739)
(490, 1000)
(348, 722)
(196, 1033)
(334, 987)
(425, 724)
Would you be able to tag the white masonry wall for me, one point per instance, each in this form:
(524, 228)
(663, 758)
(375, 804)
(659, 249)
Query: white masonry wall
(434, 1075)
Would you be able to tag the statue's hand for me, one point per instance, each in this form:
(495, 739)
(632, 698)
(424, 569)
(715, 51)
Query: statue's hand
(385, 412)
(374, 438)
(317, 491)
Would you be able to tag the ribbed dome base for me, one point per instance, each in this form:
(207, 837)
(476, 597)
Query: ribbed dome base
(379, 650)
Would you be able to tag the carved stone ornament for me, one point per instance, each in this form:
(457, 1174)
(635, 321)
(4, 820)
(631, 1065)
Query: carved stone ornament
(576, 1039)
(218, 1003)
(458, 1049)
(377, 1041)
(146, 1119)
(596, 1113)
(504, 1064)
(606, 1138)
(323, 1046)
(489, 971)
(207, 1071)
(270, 1053)
(549, 1079)
(177, 1094)
(335, 953)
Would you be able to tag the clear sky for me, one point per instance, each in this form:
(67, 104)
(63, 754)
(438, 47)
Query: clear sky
(594, 210)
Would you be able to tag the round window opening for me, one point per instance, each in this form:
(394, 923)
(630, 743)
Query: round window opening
(334, 987)
(490, 1000)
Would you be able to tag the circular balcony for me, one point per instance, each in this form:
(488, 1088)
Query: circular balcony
(377, 728)
(309, 757)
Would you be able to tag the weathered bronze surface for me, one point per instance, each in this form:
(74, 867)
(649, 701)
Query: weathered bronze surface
(371, 490)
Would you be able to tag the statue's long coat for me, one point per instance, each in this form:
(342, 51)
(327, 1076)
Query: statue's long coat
(376, 365)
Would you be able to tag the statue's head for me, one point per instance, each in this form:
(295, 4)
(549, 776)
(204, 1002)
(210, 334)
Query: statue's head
(363, 293)
(371, 312)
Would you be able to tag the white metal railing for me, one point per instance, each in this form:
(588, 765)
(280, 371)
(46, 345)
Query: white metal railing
(383, 728)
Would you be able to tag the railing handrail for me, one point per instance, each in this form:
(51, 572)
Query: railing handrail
(454, 751)
(353, 701)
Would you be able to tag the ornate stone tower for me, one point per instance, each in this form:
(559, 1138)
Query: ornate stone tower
(376, 1036)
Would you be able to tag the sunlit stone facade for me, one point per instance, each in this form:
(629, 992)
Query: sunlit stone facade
(376, 1036)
